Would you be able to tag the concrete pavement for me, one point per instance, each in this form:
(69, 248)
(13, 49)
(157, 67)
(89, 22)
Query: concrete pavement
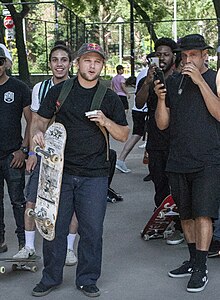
(133, 269)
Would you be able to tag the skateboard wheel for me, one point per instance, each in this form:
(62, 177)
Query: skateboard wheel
(146, 237)
(14, 267)
(2, 270)
(47, 222)
(34, 269)
(54, 158)
(161, 215)
(37, 149)
(29, 212)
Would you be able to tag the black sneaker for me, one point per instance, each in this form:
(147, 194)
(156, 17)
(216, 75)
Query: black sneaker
(90, 290)
(147, 178)
(183, 271)
(3, 247)
(198, 281)
(42, 290)
(214, 249)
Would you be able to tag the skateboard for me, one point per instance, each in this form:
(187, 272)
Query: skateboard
(50, 179)
(161, 224)
(113, 196)
(22, 264)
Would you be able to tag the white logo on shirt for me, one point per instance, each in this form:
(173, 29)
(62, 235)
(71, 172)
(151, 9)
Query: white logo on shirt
(9, 97)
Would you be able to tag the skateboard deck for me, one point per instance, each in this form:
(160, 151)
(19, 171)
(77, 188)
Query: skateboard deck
(50, 179)
(214, 254)
(161, 224)
(22, 264)
(113, 196)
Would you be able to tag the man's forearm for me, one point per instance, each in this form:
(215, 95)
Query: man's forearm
(118, 132)
(211, 100)
(142, 95)
(162, 115)
(38, 124)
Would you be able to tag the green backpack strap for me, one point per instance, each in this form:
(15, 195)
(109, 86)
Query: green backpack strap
(98, 97)
(96, 104)
(66, 88)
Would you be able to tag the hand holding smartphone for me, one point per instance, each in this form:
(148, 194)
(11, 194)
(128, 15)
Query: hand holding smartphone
(155, 61)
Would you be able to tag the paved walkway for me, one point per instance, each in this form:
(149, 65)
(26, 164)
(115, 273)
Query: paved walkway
(133, 269)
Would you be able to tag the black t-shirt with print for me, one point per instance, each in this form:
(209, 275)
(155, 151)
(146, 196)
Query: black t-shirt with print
(194, 132)
(14, 95)
(85, 151)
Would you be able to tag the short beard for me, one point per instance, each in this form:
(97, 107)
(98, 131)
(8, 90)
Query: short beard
(168, 67)
(84, 76)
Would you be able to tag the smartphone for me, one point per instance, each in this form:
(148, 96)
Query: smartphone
(155, 60)
(159, 75)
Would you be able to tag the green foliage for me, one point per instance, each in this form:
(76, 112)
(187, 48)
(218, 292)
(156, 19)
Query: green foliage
(160, 12)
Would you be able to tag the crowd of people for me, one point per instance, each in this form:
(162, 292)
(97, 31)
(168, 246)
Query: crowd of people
(176, 107)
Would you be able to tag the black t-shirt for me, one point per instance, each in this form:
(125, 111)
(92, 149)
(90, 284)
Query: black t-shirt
(14, 95)
(156, 139)
(85, 152)
(194, 133)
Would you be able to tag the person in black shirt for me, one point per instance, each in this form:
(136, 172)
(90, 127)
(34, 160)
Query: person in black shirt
(15, 100)
(157, 145)
(86, 170)
(190, 107)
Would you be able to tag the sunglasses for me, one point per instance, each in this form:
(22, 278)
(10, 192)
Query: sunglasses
(2, 61)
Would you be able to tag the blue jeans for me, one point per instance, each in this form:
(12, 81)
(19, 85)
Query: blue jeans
(15, 179)
(87, 196)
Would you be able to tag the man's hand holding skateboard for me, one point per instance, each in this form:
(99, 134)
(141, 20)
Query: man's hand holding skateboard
(38, 139)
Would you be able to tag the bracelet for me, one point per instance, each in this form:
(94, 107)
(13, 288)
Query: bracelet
(31, 153)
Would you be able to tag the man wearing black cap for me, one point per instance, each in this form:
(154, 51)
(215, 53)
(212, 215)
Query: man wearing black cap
(15, 100)
(86, 169)
(190, 107)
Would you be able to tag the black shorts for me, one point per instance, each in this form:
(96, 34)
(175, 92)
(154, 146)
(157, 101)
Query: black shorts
(32, 184)
(138, 118)
(124, 100)
(196, 194)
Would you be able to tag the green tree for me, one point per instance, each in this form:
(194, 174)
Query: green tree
(18, 13)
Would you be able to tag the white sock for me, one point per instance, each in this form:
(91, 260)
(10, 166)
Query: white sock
(70, 240)
(29, 239)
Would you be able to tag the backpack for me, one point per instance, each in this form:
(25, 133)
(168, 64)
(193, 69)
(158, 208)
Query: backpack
(44, 88)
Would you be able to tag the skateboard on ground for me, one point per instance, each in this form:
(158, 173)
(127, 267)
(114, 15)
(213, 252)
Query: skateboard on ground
(161, 224)
(21, 264)
(113, 196)
(214, 254)
(50, 178)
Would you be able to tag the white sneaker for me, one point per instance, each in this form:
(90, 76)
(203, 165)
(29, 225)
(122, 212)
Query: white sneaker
(121, 166)
(142, 146)
(176, 238)
(71, 258)
(25, 252)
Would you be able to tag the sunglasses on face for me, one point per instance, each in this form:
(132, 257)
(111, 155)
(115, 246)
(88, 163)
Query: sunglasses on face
(2, 61)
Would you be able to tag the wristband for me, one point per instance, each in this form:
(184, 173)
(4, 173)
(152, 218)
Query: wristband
(31, 153)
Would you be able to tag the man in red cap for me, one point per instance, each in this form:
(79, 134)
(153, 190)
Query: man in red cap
(86, 170)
